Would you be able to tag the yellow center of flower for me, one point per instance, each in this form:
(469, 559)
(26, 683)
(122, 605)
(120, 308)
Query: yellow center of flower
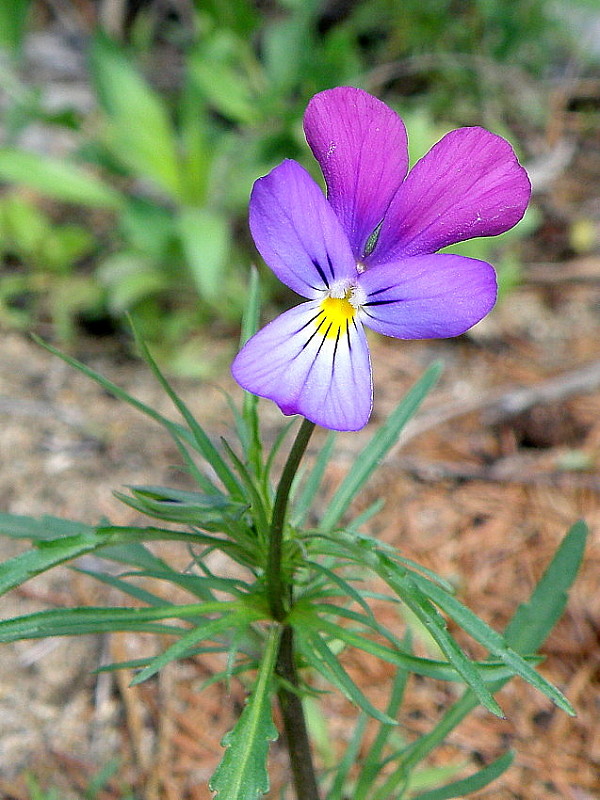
(335, 316)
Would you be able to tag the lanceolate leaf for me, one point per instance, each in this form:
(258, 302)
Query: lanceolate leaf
(180, 434)
(350, 757)
(200, 437)
(320, 657)
(533, 621)
(17, 570)
(75, 621)
(491, 639)
(242, 773)
(207, 629)
(51, 552)
(426, 612)
(555, 583)
(42, 528)
(372, 764)
(479, 780)
(250, 322)
(418, 666)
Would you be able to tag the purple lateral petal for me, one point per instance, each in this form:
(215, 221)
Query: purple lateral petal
(427, 297)
(326, 379)
(361, 146)
(469, 184)
(297, 232)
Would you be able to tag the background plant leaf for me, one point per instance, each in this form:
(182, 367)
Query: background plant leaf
(479, 780)
(58, 179)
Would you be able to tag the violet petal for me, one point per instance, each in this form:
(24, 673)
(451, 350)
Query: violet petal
(297, 232)
(325, 378)
(469, 184)
(427, 297)
(361, 146)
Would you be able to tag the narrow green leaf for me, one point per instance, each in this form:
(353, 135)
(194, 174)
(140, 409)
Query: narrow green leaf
(138, 663)
(320, 657)
(250, 323)
(556, 581)
(413, 567)
(57, 178)
(50, 553)
(77, 621)
(434, 623)
(133, 554)
(205, 446)
(349, 760)
(491, 639)
(366, 515)
(473, 783)
(124, 586)
(441, 670)
(206, 511)
(129, 533)
(534, 620)
(367, 551)
(20, 568)
(207, 629)
(178, 433)
(18, 526)
(227, 674)
(371, 764)
(367, 461)
(259, 511)
(346, 589)
(242, 773)
(200, 586)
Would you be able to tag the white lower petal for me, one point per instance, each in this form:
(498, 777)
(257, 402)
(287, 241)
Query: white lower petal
(298, 363)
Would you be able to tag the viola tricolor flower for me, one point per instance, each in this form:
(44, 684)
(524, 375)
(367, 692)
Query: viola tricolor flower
(365, 255)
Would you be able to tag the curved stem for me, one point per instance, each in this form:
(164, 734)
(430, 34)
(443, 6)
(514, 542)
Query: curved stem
(279, 592)
(276, 588)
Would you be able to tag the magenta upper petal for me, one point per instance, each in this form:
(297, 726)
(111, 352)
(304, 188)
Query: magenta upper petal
(297, 232)
(361, 146)
(469, 184)
(423, 297)
(326, 379)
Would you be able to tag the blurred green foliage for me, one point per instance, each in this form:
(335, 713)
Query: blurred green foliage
(148, 210)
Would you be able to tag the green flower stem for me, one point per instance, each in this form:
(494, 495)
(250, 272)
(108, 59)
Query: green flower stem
(277, 590)
(294, 723)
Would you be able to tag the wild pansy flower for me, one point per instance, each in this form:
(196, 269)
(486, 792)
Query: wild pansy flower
(365, 255)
